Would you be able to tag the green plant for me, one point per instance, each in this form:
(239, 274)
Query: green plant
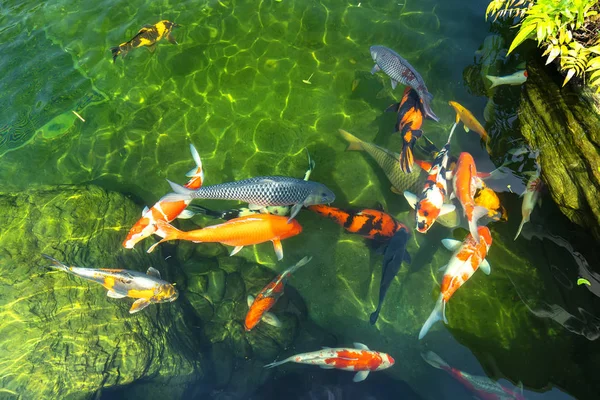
(565, 28)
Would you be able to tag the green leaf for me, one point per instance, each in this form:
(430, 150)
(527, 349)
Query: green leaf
(569, 76)
(524, 34)
(553, 54)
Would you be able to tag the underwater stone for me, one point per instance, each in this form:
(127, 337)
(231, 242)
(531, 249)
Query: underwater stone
(230, 264)
(216, 285)
(564, 125)
(62, 337)
(234, 288)
(209, 249)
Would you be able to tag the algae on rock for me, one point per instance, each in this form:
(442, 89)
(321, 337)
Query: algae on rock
(62, 337)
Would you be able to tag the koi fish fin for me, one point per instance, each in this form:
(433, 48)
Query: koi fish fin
(523, 221)
(495, 81)
(138, 305)
(447, 208)
(57, 264)
(485, 267)
(171, 39)
(255, 207)
(250, 300)
(354, 143)
(394, 84)
(166, 231)
(278, 248)
(434, 360)
(443, 267)
(395, 190)
(360, 346)
(180, 193)
(186, 214)
(235, 250)
(311, 166)
(425, 165)
(362, 375)
(478, 212)
(299, 264)
(452, 196)
(451, 244)
(294, 211)
(326, 366)
(276, 363)
(145, 210)
(375, 69)
(151, 48)
(466, 128)
(153, 272)
(114, 295)
(436, 315)
(393, 108)
(115, 51)
(196, 156)
(411, 198)
(271, 319)
(196, 209)
(520, 386)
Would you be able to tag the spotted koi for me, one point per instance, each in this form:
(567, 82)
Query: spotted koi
(409, 122)
(148, 36)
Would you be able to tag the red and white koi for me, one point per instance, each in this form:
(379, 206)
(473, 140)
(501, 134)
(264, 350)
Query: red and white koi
(465, 184)
(360, 359)
(165, 210)
(531, 197)
(259, 307)
(430, 203)
(481, 386)
(467, 258)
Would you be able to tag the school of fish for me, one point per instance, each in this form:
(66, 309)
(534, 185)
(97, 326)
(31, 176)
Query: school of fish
(441, 189)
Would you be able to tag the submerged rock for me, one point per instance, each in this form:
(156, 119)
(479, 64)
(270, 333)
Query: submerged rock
(564, 125)
(62, 337)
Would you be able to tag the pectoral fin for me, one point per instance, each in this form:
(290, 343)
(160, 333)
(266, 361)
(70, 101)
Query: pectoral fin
(451, 244)
(186, 214)
(171, 39)
(114, 295)
(151, 48)
(411, 198)
(360, 346)
(360, 376)
(278, 248)
(294, 211)
(235, 250)
(145, 210)
(139, 305)
(466, 128)
(153, 272)
(485, 267)
(375, 69)
(447, 208)
(326, 366)
(271, 319)
(250, 300)
(394, 84)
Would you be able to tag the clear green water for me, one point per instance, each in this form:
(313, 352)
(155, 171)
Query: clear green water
(234, 88)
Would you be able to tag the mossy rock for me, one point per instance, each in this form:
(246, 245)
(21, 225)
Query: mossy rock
(62, 337)
(564, 125)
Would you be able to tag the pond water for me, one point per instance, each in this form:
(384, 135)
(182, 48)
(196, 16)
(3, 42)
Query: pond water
(252, 84)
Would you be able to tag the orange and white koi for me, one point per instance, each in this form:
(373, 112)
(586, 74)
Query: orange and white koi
(467, 258)
(265, 300)
(470, 123)
(430, 203)
(238, 232)
(531, 197)
(147, 288)
(360, 359)
(165, 210)
(464, 185)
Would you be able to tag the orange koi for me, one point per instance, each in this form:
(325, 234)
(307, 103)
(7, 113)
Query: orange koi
(259, 307)
(371, 224)
(360, 359)
(165, 210)
(467, 258)
(464, 185)
(410, 120)
(238, 232)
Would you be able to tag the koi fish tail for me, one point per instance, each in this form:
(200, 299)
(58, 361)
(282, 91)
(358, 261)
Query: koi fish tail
(434, 360)
(375, 315)
(408, 143)
(495, 81)
(354, 143)
(427, 107)
(57, 264)
(181, 193)
(115, 53)
(438, 314)
(476, 214)
(277, 363)
(299, 264)
(198, 171)
(167, 232)
(523, 221)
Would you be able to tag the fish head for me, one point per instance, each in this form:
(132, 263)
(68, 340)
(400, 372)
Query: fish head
(386, 361)
(427, 213)
(320, 194)
(166, 293)
(376, 52)
(143, 228)
(484, 233)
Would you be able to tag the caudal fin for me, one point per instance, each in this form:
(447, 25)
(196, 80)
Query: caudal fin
(436, 315)
(354, 143)
(434, 360)
(167, 232)
(523, 221)
(115, 53)
(427, 108)
(181, 193)
(56, 264)
(276, 363)
(408, 143)
(495, 81)
(299, 264)
(196, 173)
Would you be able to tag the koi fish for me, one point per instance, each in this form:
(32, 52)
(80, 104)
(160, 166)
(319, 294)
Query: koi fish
(410, 120)
(370, 224)
(148, 36)
(360, 359)
(430, 203)
(483, 387)
(260, 192)
(395, 253)
(165, 210)
(399, 70)
(147, 288)
(468, 256)
(258, 308)
(470, 123)
(531, 197)
(488, 199)
(238, 232)
(518, 78)
(465, 184)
